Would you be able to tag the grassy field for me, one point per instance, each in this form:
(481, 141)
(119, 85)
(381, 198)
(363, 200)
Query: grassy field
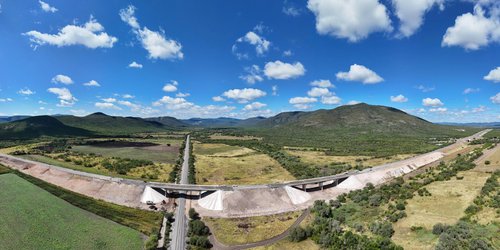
(232, 137)
(224, 164)
(159, 170)
(32, 218)
(131, 153)
(252, 229)
(446, 205)
(288, 245)
(319, 158)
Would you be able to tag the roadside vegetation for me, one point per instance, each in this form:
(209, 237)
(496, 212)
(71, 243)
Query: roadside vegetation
(39, 220)
(198, 232)
(175, 173)
(365, 217)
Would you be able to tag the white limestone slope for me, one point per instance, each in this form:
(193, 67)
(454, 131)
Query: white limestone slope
(213, 201)
(351, 183)
(152, 195)
(297, 196)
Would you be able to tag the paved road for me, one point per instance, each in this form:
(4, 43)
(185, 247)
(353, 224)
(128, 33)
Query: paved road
(179, 228)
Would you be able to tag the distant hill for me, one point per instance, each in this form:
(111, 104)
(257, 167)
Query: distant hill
(168, 121)
(355, 128)
(4, 119)
(112, 125)
(222, 122)
(474, 124)
(36, 126)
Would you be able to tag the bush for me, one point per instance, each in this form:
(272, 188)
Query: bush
(298, 234)
(383, 229)
(439, 228)
(193, 215)
(200, 241)
(487, 163)
(197, 227)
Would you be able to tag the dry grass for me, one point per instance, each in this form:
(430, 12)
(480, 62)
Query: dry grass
(230, 137)
(321, 159)
(446, 205)
(224, 164)
(237, 231)
(288, 245)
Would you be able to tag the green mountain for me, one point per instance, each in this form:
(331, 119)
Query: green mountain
(112, 125)
(37, 126)
(360, 128)
(168, 121)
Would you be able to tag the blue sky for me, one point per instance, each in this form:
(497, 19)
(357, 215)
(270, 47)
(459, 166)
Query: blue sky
(433, 58)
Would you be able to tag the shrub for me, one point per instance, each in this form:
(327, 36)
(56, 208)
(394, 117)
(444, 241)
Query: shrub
(297, 234)
(439, 228)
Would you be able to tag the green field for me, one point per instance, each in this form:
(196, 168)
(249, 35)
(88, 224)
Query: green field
(31, 218)
(130, 152)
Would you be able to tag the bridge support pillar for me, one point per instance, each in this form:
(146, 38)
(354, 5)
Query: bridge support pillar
(321, 185)
(199, 196)
(304, 187)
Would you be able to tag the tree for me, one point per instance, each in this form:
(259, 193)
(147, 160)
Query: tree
(193, 215)
(297, 234)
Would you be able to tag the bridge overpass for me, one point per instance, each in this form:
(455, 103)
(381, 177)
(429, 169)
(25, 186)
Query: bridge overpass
(320, 183)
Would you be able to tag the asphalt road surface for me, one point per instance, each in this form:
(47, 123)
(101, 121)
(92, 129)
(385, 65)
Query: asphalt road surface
(179, 228)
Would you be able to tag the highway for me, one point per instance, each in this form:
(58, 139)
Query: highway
(179, 227)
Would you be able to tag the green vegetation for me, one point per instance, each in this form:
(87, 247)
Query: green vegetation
(364, 217)
(39, 220)
(198, 232)
(144, 221)
(102, 124)
(172, 177)
(38, 126)
(137, 153)
(192, 165)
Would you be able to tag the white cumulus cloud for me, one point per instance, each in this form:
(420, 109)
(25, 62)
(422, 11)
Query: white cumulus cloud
(331, 100)
(90, 35)
(470, 90)
(474, 30)
(46, 7)
(254, 75)
(352, 19)
(254, 106)
(218, 99)
(360, 73)
(411, 13)
(106, 105)
(169, 88)
(432, 102)
(26, 91)
(92, 83)
(62, 79)
(136, 65)
(496, 98)
(317, 92)
(260, 43)
(494, 75)
(66, 99)
(244, 95)
(155, 42)
(281, 71)
(302, 102)
(322, 84)
(399, 98)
